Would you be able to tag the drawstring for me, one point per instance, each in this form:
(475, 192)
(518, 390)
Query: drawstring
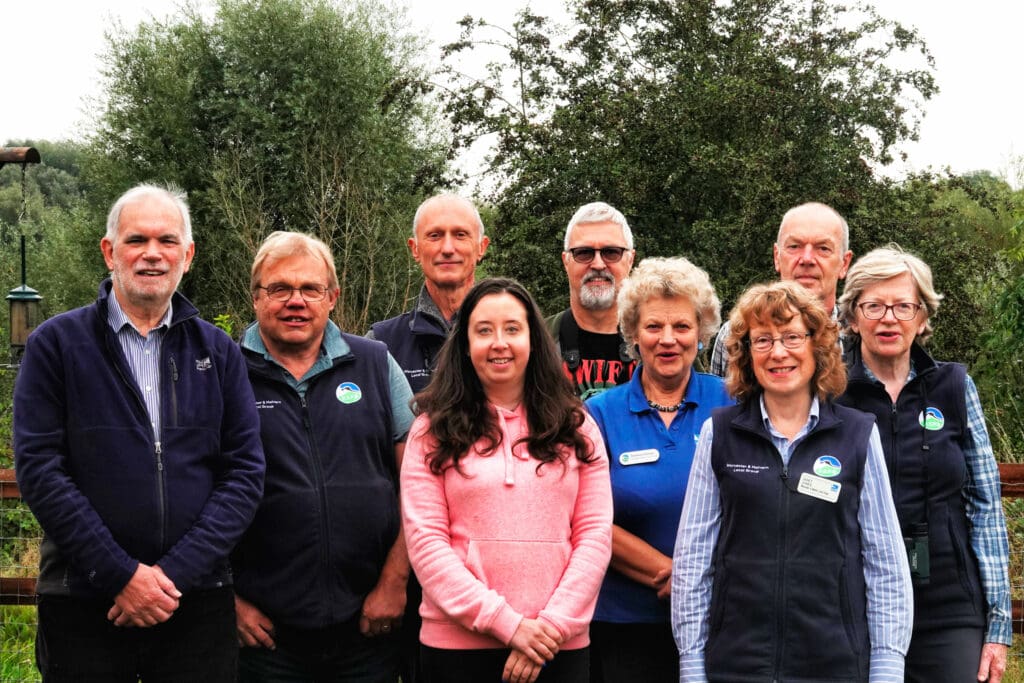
(507, 442)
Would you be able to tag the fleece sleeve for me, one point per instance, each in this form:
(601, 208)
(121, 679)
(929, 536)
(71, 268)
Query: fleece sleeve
(67, 517)
(572, 604)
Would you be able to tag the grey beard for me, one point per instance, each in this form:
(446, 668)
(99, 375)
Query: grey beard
(597, 299)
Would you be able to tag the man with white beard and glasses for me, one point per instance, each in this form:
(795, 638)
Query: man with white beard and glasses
(597, 254)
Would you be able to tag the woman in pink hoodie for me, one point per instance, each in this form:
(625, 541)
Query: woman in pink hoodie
(506, 501)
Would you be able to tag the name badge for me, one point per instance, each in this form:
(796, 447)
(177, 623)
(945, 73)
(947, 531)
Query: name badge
(639, 457)
(819, 487)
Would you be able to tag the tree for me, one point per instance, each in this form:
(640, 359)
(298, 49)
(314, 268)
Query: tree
(45, 205)
(702, 121)
(277, 115)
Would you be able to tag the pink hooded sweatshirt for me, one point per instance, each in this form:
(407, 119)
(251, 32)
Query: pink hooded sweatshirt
(501, 541)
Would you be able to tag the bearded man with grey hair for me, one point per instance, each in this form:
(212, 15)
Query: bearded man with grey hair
(598, 254)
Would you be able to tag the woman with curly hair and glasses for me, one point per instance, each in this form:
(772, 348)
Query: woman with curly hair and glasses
(789, 565)
(506, 500)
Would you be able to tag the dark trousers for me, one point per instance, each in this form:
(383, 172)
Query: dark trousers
(410, 632)
(486, 666)
(336, 654)
(628, 653)
(950, 655)
(76, 643)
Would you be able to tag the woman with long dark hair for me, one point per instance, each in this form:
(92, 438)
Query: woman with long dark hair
(507, 501)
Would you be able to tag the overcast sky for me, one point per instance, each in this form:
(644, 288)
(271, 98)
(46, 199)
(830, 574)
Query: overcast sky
(51, 67)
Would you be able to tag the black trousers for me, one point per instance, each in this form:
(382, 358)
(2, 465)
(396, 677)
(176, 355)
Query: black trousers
(948, 655)
(76, 643)
(486, 666)
(630, 653)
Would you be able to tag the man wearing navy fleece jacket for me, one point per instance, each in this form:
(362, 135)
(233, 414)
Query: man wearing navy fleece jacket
(137, 447)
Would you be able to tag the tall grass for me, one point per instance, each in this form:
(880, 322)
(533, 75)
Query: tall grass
(17, 640)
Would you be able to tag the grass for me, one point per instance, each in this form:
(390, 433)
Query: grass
(17, 642)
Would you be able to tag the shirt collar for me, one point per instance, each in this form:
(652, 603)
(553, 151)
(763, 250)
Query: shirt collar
(812, 416)
(332, 346)
(117, 318)
(426, 306)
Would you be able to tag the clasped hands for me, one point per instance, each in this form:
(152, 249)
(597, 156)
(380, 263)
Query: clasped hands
(534, 644)
(149, 598)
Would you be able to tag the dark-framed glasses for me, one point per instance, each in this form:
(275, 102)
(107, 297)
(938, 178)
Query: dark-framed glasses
(790, 340)
(279, 291)
(876, 310)
(586, 254)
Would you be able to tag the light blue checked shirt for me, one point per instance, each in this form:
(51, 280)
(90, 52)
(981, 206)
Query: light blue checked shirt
(890, 611)
(142, 354)
(982, 495)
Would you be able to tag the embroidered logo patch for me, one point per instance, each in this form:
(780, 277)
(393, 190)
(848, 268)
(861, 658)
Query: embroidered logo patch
(204, 364)
(827, 466)
(931, 419)
(348, 392)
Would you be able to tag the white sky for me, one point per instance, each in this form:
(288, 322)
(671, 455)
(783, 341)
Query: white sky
(51, 68)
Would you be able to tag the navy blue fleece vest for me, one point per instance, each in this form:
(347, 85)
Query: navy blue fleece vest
(927, 471)
(789, 601)
(414, 341)
(329, 514)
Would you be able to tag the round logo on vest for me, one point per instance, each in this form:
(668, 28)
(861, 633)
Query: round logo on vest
(931, 419)
(348, 392)
(827, 466)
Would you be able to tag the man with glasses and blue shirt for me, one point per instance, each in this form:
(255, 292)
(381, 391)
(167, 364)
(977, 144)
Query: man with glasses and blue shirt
(597, 254)
(136, 445)
(320, 576)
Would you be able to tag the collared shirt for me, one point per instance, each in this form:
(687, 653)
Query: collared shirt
(720, 355)
(648, 490)
(889, 607)
(334, 346)
(983, 497)
(142, 354)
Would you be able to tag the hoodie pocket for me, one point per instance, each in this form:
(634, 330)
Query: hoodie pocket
(525, 573)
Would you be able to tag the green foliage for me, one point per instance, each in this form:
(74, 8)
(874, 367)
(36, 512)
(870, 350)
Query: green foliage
(17, 638)
(277, 115)
(1000, 371)
(702, 121)
(226, 323)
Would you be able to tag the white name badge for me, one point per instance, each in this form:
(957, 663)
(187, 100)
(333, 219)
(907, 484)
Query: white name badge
(819, 487)
(639, 457)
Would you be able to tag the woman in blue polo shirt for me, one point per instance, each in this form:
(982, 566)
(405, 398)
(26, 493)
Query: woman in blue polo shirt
(667, 312)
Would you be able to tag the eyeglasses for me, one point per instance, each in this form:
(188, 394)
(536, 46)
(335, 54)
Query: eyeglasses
(283, 292)
(875, 310)
(586, 254)
(790, 340)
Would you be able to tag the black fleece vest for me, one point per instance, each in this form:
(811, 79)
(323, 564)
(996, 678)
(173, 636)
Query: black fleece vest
(789, 601)
(330, 512)
(923, 435)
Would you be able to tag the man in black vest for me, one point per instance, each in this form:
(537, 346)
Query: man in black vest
(597, 254)
(448, 242)
(320, 576)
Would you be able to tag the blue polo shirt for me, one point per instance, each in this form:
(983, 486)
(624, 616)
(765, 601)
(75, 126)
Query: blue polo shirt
(650, 464)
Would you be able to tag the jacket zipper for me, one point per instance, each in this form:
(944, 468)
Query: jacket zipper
(318, 473)
(161, 495)
(780, 591)
(174, 391)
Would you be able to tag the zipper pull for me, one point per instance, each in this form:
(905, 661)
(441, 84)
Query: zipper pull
(174, 369)
(159, 457)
